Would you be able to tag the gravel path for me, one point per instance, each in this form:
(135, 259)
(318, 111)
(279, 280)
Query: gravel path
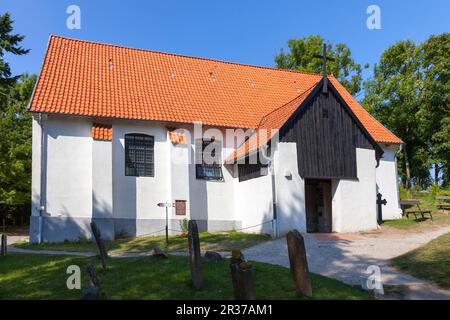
(346, 257)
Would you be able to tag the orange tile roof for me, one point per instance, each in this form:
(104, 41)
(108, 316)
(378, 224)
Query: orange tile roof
(101, 131)
(269, 126)
(101, 80)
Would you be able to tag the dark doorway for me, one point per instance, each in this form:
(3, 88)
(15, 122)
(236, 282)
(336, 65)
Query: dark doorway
(318, 205)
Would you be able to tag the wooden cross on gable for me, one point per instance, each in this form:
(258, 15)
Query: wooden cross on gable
(324, 58)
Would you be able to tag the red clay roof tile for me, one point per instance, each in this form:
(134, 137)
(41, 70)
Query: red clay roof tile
(101, 80)
(101, 132)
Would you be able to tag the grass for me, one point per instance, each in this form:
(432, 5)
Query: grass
(430, 262)
(427, 202)
(409, 224)
(33, 276)
(402, 223)
(208, 241)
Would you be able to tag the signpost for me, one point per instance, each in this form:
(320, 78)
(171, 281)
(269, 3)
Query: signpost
(166, 205)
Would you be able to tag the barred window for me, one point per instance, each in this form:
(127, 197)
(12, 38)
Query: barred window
(139, 155)
(208, 155)
(250, 171)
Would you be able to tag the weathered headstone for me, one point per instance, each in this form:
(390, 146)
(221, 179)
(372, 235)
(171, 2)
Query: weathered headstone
(100, 244)
(4, 245)
(158, 252)
(299, 262)
(93, 291)
(211, 256)
(242, 277)
(194, 255)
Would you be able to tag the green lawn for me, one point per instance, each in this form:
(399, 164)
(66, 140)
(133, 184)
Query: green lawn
(208, 241)
(431, 262)
(409, 224)
(427, 203)
(32, 276)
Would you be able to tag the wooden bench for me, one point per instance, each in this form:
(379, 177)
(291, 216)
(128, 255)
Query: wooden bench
(443, 205)
(411, 202)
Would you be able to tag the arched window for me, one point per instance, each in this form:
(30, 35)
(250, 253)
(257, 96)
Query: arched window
(139, 155)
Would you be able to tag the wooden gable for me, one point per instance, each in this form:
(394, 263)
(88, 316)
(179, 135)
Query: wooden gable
(327, 134)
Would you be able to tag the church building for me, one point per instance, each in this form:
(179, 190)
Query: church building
(119, 133)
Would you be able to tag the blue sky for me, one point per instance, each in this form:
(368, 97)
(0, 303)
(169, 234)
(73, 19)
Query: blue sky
(245, 31)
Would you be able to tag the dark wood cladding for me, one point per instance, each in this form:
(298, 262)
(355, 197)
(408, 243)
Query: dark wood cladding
(327, 136)
(250, 171)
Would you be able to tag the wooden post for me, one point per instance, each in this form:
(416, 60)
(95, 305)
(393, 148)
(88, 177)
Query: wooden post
(92, 276)
(242, 277)
(194, 255)
(100, 244)
(93, 291)
(299, 262)
(4, 245)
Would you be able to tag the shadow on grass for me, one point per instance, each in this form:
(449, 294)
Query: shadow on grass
(44, 277)
(208, 241)
(431, 262)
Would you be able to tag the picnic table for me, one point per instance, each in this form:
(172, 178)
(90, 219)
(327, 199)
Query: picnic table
(443, 205)
(411, 202)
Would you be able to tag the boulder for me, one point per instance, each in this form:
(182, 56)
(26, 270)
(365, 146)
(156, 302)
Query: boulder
(211, 256)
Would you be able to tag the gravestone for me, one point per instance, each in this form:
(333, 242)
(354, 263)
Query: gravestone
(211, 256)
(4, 245)
(299, 263)
(242, 277)
(93, 291)
(194, 255)
(100, 244)
(158, 252)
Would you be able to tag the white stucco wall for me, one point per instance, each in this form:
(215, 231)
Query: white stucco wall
(69, 163)
(179, 173)
(387, 182)
(353, 201)
(137, 197)
(290, 191)
(102, 188)
(209, 202)
(36, 167)
(253, 204)
(213, 201)
(86, 179)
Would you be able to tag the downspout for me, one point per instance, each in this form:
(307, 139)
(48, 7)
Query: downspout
(43, 177)
(397, 153)
(274, 200)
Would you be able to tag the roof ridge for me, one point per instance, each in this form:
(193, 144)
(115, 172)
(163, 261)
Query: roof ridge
(186, 56)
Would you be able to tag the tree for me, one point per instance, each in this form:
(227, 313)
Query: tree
(409, 93)
(301, 57)
(15, 124)
(435, 100)
(15, 145)
(8, 43)
(392, 96)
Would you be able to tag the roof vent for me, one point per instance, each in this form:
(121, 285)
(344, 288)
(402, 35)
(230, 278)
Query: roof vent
(212, 76)
(110, 64)
(172, 74)
(251, 84)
